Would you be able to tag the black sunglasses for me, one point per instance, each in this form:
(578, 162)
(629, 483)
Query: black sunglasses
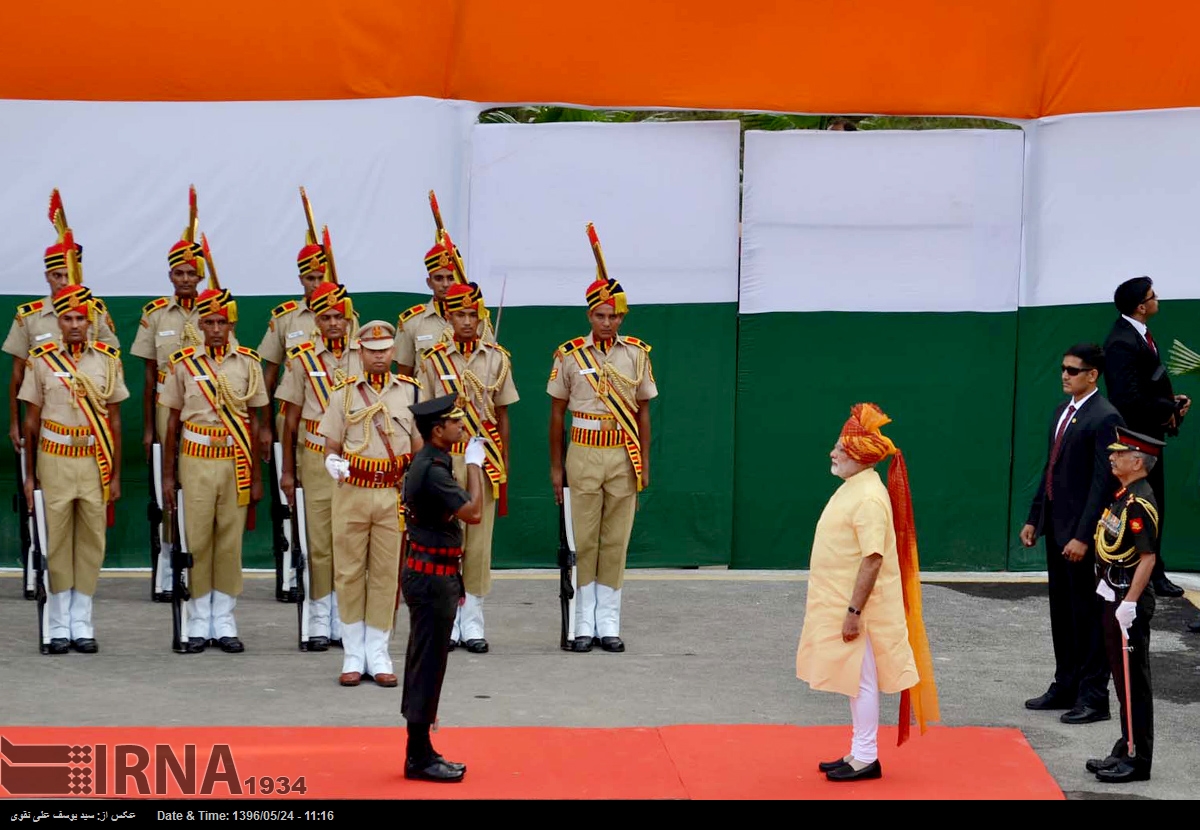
(1074, 370)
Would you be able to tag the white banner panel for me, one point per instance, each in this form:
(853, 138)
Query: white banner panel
(124, 169)
(1109, 197)
(663, 197)
(881, 221)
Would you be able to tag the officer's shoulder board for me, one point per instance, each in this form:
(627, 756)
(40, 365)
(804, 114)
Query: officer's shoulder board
(104, 348)
(155, 305)
(45, 348)
(633, 341)
(182, 353)
(101, 306)
(284, 308)
(570, 346)
(410, 313)
(30, 308)
(296, 351)
(345, 382)
(439, 347)
(500, 349)
(248, 352)
(408, 379)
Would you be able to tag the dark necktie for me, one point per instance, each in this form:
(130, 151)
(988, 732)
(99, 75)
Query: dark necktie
(1058, 436)
(1150, 342)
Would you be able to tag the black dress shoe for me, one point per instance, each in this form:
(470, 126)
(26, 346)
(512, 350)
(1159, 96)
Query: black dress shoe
(612, 644)
(830, 766)
(849, 773)
(1194, 626)
(479, 646)
(1050, 700)
(1085, 714)
(336, 643)
(232, 645)
(1164, 587)
(1127, 770)
(451, 764)
(318, 644)
(436, 770)
(582, 644)
(453, 645)
(1097, 764)
(85, 645)
(195, 645)
(59, 645)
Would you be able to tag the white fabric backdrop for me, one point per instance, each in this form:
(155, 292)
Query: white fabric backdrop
(881, 221)
(124, 169)
(1109, 197)
(663, 197)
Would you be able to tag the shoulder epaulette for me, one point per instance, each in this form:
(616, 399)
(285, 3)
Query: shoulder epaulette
(439, 347)
(633, 341)
(296, 351)
(572, 345)
(155, 305)
(284, 308)
(346, 382)
(101, 306)
(38, 351)
(182, 353)
(408, 314)
(248, 352)
(30, 308)
(104, 348)
(500, 348)
(408, 379)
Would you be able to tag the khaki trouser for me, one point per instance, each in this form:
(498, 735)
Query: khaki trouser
(477, 539)
(318, 519)
(603, 501)
(162, 416)
(213, 523)
(75, 521)
(366, 538)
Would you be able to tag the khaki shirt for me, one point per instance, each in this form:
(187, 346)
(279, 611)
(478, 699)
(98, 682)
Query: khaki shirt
(297, 385)
(240, 367)
(485, 377)
(36, 323)
(626, 368)
(397, 396)
(292, 323)
(43, 388)
(422, 327)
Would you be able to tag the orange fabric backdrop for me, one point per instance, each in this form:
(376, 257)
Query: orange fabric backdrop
(1017, 58)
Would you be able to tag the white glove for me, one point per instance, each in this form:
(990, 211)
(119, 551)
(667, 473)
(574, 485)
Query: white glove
(474, 454)
(1126, 613)
(338, 467)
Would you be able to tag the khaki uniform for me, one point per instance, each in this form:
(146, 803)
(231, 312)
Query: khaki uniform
(36, 323)
(424, 326)
(485, 379)
(213, 520)
(310, 366)
(292, 323)
(69, 477)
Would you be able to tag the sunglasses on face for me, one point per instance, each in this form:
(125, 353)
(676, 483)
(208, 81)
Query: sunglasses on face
(1075, 370)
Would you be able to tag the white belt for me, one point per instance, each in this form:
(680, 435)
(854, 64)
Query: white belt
(68, 440)
(314, 438)
(595, 426)
(207, 440)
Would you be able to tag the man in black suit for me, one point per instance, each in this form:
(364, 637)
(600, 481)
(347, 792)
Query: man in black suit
(1076, 486)
(1140, 388)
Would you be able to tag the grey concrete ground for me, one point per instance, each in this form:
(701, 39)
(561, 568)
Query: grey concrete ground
(704, 646)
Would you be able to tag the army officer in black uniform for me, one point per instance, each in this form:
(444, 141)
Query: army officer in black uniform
(431, 580)
(1127, 538)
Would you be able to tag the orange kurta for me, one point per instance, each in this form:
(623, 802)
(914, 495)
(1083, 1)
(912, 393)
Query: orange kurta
(856, 522)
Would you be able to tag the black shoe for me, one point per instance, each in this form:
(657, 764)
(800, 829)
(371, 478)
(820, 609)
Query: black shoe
(1164, 587)
(85, 645)
(163, 596)
(1097, 764)
(451, 764)
(232, 645)
(849, 773)
(582, 644)
(1085, 714)
(59, 645)
(1194, 626)
(195, 645)
(479, 646)
(436, 770)
(830, 766)
(612, 644)
(1050, 700)
(1126, 770)
(453, 645)
(318, 644)
(336, 643)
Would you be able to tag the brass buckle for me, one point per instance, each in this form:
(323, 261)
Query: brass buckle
(80, 440)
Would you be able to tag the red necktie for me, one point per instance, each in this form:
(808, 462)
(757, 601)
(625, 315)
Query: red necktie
(1058, 436)
(1150, 341)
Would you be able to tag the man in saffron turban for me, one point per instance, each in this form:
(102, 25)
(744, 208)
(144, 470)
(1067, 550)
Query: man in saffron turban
(863, 632)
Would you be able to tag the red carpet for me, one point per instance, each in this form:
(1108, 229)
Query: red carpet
(700, 762)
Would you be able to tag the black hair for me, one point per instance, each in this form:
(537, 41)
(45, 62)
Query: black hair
(1091, 355)
(1131, 293)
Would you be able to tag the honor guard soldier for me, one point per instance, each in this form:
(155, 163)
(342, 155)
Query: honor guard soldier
(72, 392)
(428, 324)
(435, 506)
(1127, 539)
(36, 323)
(215, 392)
(606, 381)
(480, 376)
(369, 437)
(314, 369)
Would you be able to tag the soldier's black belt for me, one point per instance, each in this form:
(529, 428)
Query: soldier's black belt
(440, 561)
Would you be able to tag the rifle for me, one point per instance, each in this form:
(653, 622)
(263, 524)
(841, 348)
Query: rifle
(285, 540)
(567, 574)
(299, 555)
(25, 524)
(181, 560)
(160, 561)
(42, 592)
